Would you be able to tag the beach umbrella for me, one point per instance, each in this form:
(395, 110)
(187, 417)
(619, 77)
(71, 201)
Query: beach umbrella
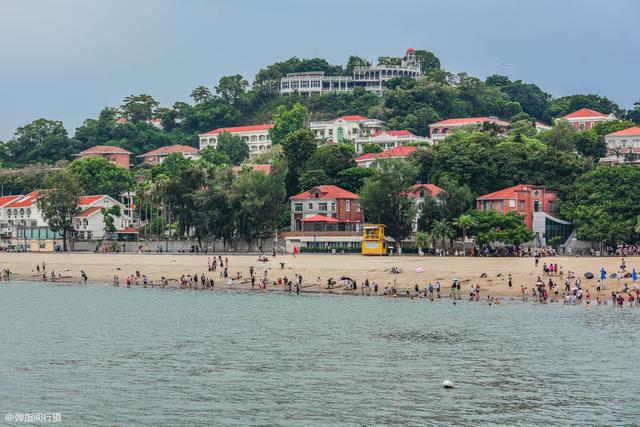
(419, 270)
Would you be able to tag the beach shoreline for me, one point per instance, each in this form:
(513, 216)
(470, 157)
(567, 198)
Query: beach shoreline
(490, 273)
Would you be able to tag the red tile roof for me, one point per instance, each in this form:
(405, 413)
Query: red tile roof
(326, 192)
(164, 151)
(127, 230)
(391, 153)
(266, 169)
(28, 200)
(352, 118)
(505, 193)
(583, 113)
(250, 128)
(104, 149)
(469, 121)
(633, 131)
(8, 199)
(431, 188)
(393, 133)
(320, 218)
(87, 200)
(91, 210)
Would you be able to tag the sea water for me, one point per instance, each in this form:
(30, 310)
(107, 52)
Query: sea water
(116, 356)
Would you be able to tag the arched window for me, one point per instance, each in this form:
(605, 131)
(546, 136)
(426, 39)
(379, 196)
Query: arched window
(28, 211)
(85, 222)
(21, 211)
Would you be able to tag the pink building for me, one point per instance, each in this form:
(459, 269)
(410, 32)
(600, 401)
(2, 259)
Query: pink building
(440, 130)
(584, 118)
(524, 199)
(116, 155)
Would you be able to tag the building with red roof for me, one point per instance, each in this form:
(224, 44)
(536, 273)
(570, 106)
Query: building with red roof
(255, 136)
(266, 169)
(22, 224)
(339, 206)
(524, 199)
(158, 155)
(388, 139)
(586, 118)
(439, 130)
(623, 146)
(116, 155)
(369, 159)
(345, 128)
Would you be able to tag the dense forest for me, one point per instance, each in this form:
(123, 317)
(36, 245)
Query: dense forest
(467, 164)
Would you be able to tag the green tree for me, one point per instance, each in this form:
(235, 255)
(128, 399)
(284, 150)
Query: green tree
(490, 226)
(604, 204)
(590, 144)
(214, 214)
(233, 146)
(231, 88)
(464, 223)
(371, 148)
(312, 178)
(202, 95)
(442, 230)
(332, 159)
(108, 215)
(385, 200)
(59, 204)
(352, 179)
(97, 175)
(42, 140)
(297, 147)
(139, 108)
(560, 136)
(427, 60)
(423, 239)
(214, 157)
(287, 121)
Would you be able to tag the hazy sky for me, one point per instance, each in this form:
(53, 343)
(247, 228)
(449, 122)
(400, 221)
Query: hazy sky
(67, 59)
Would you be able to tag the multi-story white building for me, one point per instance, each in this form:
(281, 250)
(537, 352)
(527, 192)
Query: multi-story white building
(25, 227)
(623, 146)
(387, 139)
(256, 137)
(372, 78)
(345, 128)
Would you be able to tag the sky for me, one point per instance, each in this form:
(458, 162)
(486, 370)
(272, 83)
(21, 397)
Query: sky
(68, 59)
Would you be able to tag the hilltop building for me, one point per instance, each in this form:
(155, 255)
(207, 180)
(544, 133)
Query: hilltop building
(158, 155)
(345, 128)
(585, 118)
(371, 78)
(623, 146)
(387, 139)
(116, 155)
(256, 137)
(369, 159)
(440, 130)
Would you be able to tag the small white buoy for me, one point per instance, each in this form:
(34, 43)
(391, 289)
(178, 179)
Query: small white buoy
(447, 384)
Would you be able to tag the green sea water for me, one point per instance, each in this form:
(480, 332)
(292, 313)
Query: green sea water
(116, 356)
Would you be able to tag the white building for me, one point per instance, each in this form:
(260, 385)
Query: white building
(372, 78)
(256, 137)
(440, 130)
(345, 128)
(623, 146)
(387, 139)
(24, 227)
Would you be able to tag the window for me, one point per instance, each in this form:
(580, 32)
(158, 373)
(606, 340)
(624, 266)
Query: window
(285, 85)
(89, 235)
(315, 83)
(311, 206)
(305, 83)
(316, 195)
(295, 85)
(512, 203)
(357, 207)
(333, 207)
(422, 193)
(28, 211)
(322, 207)
(537, 206)
(581, 126)
(297, 207)
(85, 222)
(347, 206)
(521, 208)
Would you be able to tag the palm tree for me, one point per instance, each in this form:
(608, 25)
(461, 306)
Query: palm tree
(423, 239)
(442, 230)
(637, 228)
(464, 223)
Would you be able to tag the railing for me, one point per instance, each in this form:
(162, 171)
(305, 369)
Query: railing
(320, 233)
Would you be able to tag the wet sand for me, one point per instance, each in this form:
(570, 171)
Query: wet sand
(100, 268)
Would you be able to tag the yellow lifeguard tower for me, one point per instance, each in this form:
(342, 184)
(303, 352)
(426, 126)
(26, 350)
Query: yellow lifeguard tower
(373, 241)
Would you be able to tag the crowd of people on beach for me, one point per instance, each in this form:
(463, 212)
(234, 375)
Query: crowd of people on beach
(553, 285)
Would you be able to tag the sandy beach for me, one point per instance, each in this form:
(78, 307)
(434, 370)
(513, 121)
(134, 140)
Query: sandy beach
(101, 268)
